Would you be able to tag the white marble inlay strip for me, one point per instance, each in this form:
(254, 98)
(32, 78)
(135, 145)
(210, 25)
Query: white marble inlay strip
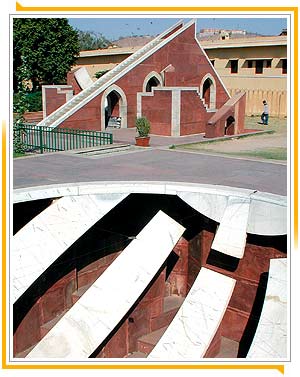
(195, 324)
(231, 235)
(39, 243)
(88, 323)
(270, 339)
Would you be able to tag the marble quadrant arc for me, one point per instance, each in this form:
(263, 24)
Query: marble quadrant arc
(95, 315)
(39, 243)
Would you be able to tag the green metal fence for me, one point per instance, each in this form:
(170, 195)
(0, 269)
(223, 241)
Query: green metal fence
(47, 139)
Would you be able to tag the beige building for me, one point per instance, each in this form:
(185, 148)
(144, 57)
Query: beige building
(256, 65)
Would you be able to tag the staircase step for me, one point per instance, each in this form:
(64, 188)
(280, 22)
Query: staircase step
(170, 308)
(101, 149)
(172, 302)
(146, 343)
(46, 327)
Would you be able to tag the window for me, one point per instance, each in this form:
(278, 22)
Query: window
(233, 66)
(284, 66)
(268, 63)
(259, 66)
(250, 63)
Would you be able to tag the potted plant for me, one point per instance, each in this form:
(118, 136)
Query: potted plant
(143, 129)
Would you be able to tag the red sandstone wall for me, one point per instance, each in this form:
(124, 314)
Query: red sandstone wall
(178, 278)
(193, 116)
(240, 115)
(71, 80)
(158, 109)
(53, 99)
(87, 118)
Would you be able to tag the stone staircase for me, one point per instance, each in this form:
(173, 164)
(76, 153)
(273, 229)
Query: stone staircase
(101, 149)
(78, 101)
(146, 343)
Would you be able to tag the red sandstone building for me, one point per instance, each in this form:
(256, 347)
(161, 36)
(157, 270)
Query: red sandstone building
(170, 80)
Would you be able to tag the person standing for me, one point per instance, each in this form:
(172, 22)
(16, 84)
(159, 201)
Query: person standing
(265, 115)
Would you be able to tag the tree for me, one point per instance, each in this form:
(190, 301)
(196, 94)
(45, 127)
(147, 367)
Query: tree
(92, 41)
(46, 48)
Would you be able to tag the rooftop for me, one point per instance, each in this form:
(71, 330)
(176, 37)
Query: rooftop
(206, 44)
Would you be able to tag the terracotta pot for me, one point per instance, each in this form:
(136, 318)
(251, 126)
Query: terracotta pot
(142, 141)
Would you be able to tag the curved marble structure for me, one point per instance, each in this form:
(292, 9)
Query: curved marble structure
(267, 212)
(100, 309)
(38, 244)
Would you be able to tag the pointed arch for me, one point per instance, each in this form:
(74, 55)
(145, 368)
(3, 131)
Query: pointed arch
(114, 99)
(208, 90)
(152, 79)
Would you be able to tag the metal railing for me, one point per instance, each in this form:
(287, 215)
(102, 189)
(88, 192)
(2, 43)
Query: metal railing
(46, 139)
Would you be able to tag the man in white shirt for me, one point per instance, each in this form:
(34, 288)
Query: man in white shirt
(265, 115)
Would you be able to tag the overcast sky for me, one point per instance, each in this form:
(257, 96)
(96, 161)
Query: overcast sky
(113, 28)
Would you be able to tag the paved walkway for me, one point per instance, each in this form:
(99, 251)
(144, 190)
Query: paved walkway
(127, 135)
(155, 164)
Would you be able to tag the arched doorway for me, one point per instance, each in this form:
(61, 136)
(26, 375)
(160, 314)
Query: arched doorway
(113, 108)
(229, 125)
(151, 83)
(153, 79)
(208, 91)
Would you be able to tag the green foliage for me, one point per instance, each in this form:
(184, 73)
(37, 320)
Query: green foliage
(46, 48)
(32, 100)
(89, 40)
(19, 107)
(101, 73)
(142, 126)
(18, 145)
